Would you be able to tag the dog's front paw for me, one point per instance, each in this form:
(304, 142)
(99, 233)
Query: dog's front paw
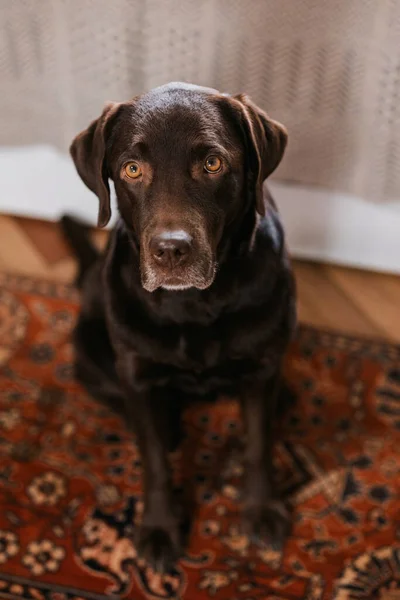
(159, 547)
(268, 523)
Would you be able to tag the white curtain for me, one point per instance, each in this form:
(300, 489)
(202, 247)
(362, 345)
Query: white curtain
(329, 70)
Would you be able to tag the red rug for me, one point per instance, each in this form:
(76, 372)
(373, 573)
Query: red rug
(70, 474)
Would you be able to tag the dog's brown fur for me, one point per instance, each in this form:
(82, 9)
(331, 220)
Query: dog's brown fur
(224, 327)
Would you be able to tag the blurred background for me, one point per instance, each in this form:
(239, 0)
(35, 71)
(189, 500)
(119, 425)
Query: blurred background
(330, 71)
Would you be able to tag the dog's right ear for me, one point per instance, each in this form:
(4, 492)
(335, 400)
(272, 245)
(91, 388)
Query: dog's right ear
(88, 153)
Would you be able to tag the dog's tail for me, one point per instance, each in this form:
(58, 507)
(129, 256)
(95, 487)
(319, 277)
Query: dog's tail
(77, 236)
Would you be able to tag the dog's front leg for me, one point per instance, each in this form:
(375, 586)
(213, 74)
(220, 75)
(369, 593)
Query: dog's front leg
(266, 517)
(158, 540)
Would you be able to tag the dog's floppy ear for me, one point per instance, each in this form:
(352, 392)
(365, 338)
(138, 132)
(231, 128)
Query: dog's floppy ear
(88, 153)
(266, 142)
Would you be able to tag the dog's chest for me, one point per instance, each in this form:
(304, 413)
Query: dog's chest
(199, 362)
(204, 351)
(190, 335)
(199, 348)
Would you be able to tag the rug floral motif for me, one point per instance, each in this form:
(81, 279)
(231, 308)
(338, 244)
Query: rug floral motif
(70, 474)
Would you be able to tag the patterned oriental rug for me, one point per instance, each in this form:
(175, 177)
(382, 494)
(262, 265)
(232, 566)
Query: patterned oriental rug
(70, 475)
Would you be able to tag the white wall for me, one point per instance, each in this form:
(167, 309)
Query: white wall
(40, 182)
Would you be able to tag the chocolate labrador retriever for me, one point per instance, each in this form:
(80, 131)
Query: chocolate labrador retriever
(194, 295)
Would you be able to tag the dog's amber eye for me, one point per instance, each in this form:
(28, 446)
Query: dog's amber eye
(213, 164)
(132, 170)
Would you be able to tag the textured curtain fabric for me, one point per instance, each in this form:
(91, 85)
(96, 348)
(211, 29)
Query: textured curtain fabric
(329, 70)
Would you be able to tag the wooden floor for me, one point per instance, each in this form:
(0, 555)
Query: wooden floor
(333, 297)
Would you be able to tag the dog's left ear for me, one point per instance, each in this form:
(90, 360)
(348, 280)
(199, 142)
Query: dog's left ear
(266, 141)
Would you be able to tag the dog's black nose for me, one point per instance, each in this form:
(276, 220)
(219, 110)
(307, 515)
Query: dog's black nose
(171, 248)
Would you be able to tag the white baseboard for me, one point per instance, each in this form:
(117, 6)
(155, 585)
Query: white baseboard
(40, 182)
(340, 228)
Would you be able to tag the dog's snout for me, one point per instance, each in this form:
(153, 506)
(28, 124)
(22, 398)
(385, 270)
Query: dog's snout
(171, 248)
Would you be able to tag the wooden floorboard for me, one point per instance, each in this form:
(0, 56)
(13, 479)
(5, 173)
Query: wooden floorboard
(45, 236)
(324, 304)
(374, 295)
(348, 300)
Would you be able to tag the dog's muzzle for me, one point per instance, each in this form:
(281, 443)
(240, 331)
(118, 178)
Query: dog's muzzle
(174, 260)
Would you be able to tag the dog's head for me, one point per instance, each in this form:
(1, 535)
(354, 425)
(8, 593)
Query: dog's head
(186, 162)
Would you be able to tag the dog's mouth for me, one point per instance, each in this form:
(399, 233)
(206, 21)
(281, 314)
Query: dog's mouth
(199, 275)
(152, 279)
